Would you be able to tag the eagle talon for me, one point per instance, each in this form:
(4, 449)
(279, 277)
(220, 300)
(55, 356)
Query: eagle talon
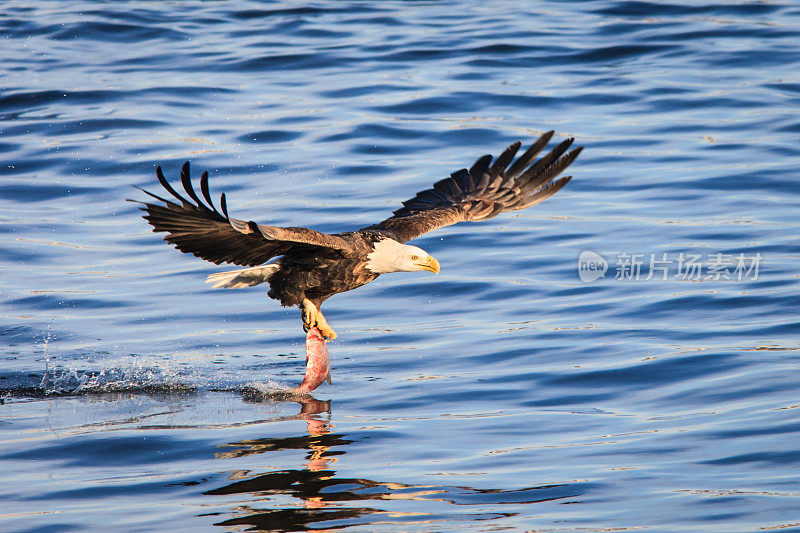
(312, 318)
(326, 331)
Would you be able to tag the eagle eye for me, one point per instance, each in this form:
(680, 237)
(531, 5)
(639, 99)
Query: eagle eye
(414, 257)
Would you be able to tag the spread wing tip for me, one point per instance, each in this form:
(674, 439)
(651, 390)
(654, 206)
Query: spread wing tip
(486, 189)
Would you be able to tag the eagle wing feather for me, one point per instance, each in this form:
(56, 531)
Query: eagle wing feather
(484, 191)
(197, 227)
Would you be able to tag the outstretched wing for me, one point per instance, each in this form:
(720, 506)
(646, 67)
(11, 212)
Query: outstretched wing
(196, 227)
(484, 191)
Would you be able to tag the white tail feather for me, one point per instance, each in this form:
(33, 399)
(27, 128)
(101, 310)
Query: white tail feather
(246, 277)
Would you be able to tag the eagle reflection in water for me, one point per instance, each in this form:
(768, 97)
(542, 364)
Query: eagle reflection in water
(330, 501)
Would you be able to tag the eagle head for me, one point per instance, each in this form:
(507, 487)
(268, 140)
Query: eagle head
(389, 255)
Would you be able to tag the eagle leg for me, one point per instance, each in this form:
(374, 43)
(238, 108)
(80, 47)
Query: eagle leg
(312, 318)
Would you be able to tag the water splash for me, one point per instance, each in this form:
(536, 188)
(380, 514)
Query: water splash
(132, 374)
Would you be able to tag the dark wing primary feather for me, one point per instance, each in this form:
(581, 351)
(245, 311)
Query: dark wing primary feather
(195, 226)
(485, 190)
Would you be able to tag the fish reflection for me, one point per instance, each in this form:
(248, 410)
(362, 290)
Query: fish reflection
(325, 496)
(305, 484)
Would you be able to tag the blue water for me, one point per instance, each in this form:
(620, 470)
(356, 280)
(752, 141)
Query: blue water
(504, 394)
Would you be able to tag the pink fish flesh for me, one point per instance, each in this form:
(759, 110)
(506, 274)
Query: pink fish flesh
(318, 363)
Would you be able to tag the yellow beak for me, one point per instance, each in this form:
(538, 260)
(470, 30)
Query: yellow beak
(430, 264)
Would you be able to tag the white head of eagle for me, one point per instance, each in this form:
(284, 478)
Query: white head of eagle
(391, 256)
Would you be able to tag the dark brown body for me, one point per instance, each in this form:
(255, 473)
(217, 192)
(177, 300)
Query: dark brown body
(319, 274)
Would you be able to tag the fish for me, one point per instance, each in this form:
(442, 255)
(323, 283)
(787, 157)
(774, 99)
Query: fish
(318, 363)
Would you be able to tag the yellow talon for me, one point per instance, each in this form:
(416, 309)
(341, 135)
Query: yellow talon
(313, 318)
(326, 331)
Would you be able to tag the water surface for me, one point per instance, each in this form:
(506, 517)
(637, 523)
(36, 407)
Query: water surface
(503, 394)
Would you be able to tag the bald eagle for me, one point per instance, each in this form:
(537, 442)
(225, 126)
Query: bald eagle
(308, 267)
